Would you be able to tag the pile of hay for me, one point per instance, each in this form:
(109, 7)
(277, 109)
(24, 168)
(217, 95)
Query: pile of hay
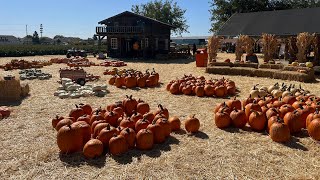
(11, 90)
(271, 66)
(249, 65)
(268, 73)
(221, 64)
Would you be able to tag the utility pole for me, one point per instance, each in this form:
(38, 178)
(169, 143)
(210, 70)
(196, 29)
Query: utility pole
(26, 29)
(41, 29)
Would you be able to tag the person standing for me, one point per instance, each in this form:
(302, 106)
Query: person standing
(194, 49)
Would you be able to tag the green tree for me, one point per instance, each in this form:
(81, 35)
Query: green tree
(222, 10)
(35, 38)
(165, 11)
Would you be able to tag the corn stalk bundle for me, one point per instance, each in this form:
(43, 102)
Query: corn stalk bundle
(316, 48)
(292, 48)
(304, 41)
(248, 44)
(269, 45)
(239, 47)
(213, 46)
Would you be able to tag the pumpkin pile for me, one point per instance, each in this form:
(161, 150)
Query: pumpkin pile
(199, 86)
(4, 112)
(114, 71)
(23, 64)
(280, 117)
(73, 62)
(278, 90)
(132, 78)
(113, 63)
(118, 127)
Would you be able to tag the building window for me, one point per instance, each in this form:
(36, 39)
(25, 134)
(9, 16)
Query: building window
(166, 44)
(114, 43)
(146, 42)
(156, 43)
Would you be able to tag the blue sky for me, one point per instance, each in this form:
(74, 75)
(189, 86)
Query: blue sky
(79, 17)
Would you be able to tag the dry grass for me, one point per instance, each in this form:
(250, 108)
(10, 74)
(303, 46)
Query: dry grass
(29, 151)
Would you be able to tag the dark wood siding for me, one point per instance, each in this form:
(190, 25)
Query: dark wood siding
(151, 30)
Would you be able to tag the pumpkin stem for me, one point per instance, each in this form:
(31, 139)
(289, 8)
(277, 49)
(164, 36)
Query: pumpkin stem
(160, 106)
(76, 106)
(128, 130)
(235, 109)
(57, 117)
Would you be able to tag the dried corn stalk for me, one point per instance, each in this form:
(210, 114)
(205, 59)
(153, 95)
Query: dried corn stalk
(213, 46)
(239, 47)
(304, 41)
(316, 46)
(269, 45)
(292, 48)
(248, 44)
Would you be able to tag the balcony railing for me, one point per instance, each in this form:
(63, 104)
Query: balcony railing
(118, 29)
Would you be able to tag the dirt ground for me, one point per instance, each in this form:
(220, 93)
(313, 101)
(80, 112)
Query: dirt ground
(28, 147)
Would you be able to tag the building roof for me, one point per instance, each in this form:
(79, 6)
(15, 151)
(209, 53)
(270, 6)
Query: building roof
(282, 23)
(134, 14)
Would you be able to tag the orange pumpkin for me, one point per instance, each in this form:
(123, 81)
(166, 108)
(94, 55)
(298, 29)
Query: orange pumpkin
(93, 148)
(130, 136)
(294, 122)
(175, 123)
(257, 120)
(238, 118)
(54, 121)
(118, 145)
(158, 132)
(76, 112)
(192, 124)
(314, 129)
(141, 124)
(234, 103)
(106, 134)
(69, 139)
(279, 132)
(144, 139)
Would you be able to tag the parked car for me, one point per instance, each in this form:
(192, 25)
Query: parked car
(76, 52)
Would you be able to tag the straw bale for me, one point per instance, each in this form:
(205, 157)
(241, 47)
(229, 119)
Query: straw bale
(25, 89)
(10, 90)
(225, 70)
(271, 66)
(221, 64)
(294, 76)
(296, 68)
(264, 73)
(249, 65)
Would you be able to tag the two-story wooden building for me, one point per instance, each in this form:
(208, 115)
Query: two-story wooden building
(132, 35)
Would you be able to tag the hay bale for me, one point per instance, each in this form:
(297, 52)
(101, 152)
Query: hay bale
(296, 68)
(25, 89)
(10, 90)
(294, 76)
(271, 66)
(221, 64)
(249, 65)
(218, 70)
(264, 73)
(225, 70)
